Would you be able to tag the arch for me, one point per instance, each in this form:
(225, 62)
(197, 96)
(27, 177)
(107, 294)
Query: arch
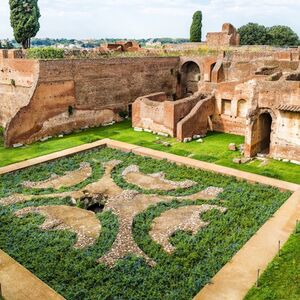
(262, 133)
(190, 76)
(242, 108)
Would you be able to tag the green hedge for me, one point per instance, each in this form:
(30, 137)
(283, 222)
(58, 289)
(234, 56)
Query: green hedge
(75, 273)
(45, 53)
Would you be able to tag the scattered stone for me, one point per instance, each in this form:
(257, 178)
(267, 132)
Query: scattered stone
(137, 129)
(187, 140)
(245, 160)
(296, 162)
(45, 138)
(61, 136)
(73, 201)
(162, 134)
(200, 141)
(285, 160)
(18, 145)
(196, 137)
(232, 147)
(166, 144)
(261, 155)
(148, 130)
(108, 124)
(237, 160)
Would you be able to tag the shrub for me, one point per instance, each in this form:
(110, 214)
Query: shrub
(45, 53)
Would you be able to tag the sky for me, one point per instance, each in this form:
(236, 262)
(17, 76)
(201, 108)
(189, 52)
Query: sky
(83, 19)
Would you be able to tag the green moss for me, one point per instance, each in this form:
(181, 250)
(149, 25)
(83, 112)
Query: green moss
(76, 274)
(282, 278)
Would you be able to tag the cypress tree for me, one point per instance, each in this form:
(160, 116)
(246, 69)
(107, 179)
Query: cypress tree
(24, 18)
(196, 28)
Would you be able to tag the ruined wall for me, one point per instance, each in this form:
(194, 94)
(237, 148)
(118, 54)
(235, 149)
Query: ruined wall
(17, 83)
(94, 90)
(157, 113)
(154, 112)
(196, 122)
(281, 101)
(227, 37)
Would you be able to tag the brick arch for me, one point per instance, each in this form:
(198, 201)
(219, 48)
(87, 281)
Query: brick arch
(260, 131)
(241, 108)
(190, 72)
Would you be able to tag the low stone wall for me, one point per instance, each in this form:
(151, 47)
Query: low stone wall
(158, 114)
(196, 122)
(154, 112)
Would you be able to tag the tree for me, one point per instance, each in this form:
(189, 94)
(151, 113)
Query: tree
(24, 18)
(282, 36)
(253, 34)
(196, 28)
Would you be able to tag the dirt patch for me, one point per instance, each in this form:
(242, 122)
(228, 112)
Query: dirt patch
(207, 194)
(84, 223)
(155, 181)
(69, 179)
(184, 218)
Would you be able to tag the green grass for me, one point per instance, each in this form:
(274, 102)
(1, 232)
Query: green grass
(75, 273)
(214, 149)
(282, 278)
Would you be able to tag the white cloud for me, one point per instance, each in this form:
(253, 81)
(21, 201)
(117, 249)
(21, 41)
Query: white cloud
(152, 18)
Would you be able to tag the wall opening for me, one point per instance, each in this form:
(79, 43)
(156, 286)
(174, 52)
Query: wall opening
(130, 111)
(211, 70)
(226, 107)
(263, 134)
(242, 108)
(190, 78)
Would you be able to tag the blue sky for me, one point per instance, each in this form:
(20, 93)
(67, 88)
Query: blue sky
(151, 18)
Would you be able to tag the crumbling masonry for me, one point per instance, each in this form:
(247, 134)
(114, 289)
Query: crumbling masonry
(256, 94)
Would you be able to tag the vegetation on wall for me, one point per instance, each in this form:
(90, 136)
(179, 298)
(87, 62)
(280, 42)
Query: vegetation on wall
(45, 53)
(75, 273)
(24, 17)
(196, 27)
(255, 34)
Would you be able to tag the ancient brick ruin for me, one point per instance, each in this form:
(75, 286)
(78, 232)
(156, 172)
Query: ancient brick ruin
(251, 93)
(226, 38)
(256, 94)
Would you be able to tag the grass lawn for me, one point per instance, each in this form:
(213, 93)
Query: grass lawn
(214, 149)
(282, 278)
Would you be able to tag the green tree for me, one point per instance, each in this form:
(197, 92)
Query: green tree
(253, 34)
(282, 36)
(196, 28)
(24, 18)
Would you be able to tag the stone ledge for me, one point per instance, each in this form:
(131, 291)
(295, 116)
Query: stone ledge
(17, 283)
